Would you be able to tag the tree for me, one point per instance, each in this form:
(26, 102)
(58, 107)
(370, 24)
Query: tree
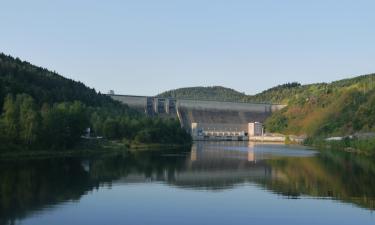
(11, 119)
(29, 119)
(110, 128)
(276, 123)
(64, 124)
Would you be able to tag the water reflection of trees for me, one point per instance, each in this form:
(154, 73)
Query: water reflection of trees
(335, 175)
(30, 185)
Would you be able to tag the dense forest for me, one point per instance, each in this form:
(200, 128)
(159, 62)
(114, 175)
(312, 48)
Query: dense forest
(205, 93)
(43, 110)
(218, 93)
(339, 108)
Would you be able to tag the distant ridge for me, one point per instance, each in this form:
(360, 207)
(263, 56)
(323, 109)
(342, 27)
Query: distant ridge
(17, 76)
(216, 93)
(219, 93)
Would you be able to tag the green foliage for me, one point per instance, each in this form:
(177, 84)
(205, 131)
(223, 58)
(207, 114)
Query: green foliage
(277, 123)
(29, 119)
(143, 130)
(217, 93)
(44, 86)
(358, 145)
(110, 128)
(42, 109)
(339, 108)
(63, 124)
(276, 94)
(24, 124)
(10, 119)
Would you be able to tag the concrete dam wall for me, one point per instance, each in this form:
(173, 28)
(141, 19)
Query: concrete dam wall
(221, 117)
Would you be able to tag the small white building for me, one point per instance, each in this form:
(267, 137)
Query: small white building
(255, 129)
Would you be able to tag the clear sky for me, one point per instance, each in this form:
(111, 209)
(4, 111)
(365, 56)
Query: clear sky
(147, 46)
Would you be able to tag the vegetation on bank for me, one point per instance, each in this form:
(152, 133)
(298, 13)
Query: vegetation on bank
(340, 108)
(353, 145)
(43, 110)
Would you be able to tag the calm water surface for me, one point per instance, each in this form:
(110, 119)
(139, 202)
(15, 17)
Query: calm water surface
(213, 183)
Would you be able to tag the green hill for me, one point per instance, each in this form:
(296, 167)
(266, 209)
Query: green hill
(44, 86)
(218, 93)
(205, 93)
(43, 110)
(277, 94)
(326, 109)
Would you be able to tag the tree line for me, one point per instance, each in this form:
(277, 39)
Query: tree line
(42, 109)
(24, 124)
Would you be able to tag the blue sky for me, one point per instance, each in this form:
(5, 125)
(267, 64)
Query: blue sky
(146, 46)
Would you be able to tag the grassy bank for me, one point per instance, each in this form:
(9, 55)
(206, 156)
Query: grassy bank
(89, 148)
(83, 149)
(353, 145)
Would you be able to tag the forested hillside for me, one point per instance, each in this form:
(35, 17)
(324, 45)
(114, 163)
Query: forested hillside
(205, 93)
(276, 95)
(327, 109)
(43, 110)
(218, 93)
(42, 85)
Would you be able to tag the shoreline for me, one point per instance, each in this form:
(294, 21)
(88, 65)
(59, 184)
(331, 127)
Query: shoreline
(119, 147)
(357, 146)
(110, 147)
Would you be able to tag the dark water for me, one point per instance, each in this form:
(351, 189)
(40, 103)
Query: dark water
(213, 183)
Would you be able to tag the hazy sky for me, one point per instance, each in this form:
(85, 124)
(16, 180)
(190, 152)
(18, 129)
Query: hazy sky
(148, 46)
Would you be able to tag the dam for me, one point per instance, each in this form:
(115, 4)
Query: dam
(204, 119)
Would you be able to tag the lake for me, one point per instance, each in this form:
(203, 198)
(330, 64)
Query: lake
(211, 183)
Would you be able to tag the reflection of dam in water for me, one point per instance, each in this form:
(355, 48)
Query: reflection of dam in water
(230, 151)
(213, 166)
(218, 165)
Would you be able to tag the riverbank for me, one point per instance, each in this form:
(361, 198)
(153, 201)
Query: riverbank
(90, 148)
(352, 145)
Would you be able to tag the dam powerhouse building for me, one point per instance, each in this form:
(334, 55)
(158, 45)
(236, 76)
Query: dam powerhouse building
(206, 120)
